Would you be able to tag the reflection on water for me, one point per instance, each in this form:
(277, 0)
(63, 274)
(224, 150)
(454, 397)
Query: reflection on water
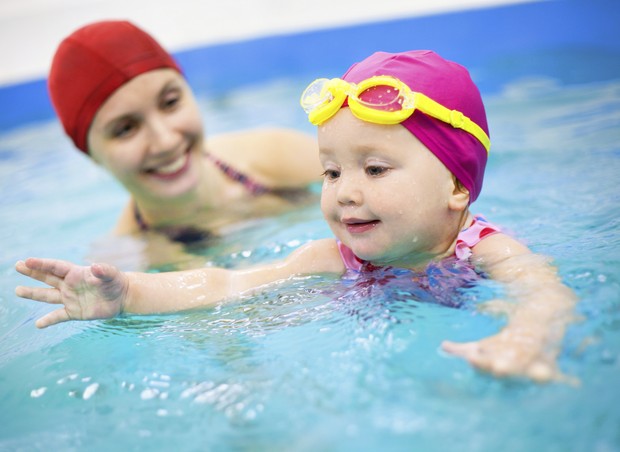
(322, 363)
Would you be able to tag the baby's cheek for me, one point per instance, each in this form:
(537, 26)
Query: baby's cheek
(327, 199)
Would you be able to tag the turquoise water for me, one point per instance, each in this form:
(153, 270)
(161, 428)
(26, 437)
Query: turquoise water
(319, 364)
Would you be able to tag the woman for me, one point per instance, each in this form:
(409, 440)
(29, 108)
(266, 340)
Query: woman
(124, 102)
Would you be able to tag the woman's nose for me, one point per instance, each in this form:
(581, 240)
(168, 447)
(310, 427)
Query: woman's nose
(163, 136)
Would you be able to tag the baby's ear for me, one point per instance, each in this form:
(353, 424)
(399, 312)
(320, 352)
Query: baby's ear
(459, 199)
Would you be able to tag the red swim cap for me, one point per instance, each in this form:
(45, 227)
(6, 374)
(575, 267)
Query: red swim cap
(93, 62)
(449, 84)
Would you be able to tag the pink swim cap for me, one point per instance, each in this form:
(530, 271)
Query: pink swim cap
(93, 62)
(449, 84)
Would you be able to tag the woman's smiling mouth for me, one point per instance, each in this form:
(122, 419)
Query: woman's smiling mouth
(172, 169)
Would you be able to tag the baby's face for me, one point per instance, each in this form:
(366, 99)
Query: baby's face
(385, 195)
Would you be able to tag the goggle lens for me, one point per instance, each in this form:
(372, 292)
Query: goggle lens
(382, 97)
(316, 95)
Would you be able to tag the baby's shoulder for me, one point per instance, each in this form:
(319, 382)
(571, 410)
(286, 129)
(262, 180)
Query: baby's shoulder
(319, 256)
(499, 245)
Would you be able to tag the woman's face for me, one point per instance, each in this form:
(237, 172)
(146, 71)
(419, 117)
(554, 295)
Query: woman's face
(149, 135)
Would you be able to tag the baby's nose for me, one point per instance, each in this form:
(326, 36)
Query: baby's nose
(349, 190)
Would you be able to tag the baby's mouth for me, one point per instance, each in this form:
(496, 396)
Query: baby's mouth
(359, 226)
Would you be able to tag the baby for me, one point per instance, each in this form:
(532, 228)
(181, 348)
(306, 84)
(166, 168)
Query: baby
(403, 142)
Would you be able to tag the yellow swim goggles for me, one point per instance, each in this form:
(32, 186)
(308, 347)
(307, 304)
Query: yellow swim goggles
(392, 104)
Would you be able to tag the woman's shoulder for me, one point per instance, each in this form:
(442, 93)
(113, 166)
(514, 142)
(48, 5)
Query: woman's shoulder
(242, 145)
(275, 157)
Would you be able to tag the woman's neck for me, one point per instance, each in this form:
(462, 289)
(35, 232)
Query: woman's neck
(184, 209)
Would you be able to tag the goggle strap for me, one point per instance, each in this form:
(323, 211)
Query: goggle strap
(339, 90)
(453, 117)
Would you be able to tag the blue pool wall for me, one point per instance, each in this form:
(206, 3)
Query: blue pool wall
(495, 43)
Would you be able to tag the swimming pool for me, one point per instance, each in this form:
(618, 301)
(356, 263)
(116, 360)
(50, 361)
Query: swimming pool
(319, 365)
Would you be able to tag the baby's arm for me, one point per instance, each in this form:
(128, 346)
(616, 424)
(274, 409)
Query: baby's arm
(539, 308)
(101, 291)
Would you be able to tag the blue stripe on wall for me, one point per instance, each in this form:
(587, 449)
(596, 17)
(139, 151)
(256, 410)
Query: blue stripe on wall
(528, 39)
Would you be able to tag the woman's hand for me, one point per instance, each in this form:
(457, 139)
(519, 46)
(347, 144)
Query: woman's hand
(97, 291)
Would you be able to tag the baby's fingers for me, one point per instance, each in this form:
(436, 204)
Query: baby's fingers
(55, 267)
(506, 362)
(105, 272)
(465, 350)
(34, 268)
(52, 318)
(39, 294)
(542, 372)
(469, 351)
(482, 357)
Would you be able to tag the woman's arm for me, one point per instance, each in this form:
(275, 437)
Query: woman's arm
(538, 308)
(101, 291)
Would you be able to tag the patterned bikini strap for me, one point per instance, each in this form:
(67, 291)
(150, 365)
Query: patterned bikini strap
(139, 218)
(253, 187)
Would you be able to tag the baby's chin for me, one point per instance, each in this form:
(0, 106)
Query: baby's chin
(395, 258)
(373, 255)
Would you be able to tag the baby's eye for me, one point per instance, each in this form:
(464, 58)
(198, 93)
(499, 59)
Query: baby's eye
(376, 170)
(331, 174)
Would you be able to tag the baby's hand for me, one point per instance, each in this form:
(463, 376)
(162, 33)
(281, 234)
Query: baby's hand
(87, 293)
(510, 354)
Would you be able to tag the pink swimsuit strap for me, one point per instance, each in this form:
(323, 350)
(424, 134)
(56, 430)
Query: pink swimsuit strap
(465, 241)
(350, 260)
(471, 236)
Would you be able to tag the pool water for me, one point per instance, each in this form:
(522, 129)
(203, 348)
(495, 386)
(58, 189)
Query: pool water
(312, 365)
(320, 363)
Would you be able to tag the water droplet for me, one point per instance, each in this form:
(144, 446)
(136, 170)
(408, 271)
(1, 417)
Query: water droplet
(38, 392)
(90, 391)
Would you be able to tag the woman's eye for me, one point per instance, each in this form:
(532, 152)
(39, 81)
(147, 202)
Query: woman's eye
(124, 128)
(331, 174)
(376, 170)
(170, 100)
